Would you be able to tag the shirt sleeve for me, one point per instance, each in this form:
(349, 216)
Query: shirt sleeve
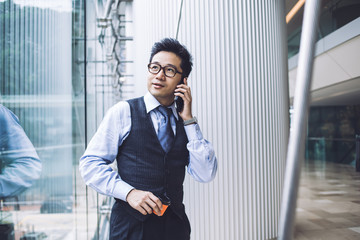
(202, 160)
(20, 165)
(102, 151)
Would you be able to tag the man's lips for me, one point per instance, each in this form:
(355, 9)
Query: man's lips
(158, 85)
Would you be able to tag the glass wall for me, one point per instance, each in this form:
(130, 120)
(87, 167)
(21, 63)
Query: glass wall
(332, 132)
(332, 128)
(38, 86)
(42, 86)
(60, 70)
(109, 79)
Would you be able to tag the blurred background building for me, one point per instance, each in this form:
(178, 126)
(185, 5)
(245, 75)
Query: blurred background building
(63, 63)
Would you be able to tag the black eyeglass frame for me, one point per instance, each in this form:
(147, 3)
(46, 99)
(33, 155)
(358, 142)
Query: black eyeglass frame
(162, 68)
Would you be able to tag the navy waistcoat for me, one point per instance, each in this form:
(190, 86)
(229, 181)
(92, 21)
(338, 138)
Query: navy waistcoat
(143, 163)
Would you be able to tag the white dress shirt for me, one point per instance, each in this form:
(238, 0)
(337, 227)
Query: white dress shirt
(114, 129)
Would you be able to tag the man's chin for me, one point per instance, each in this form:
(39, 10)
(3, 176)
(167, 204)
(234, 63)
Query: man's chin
(162, 97)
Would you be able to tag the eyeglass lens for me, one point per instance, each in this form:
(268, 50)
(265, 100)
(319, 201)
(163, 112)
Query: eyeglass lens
(156, 68)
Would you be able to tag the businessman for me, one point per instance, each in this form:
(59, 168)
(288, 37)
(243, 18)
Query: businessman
(20, 165)
(153, 139)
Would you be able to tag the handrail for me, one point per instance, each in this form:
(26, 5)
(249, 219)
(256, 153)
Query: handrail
(350, 150)
(295, 153)
(332, 139)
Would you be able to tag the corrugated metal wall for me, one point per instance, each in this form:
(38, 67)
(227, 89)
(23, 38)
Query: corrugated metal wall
(240, 97)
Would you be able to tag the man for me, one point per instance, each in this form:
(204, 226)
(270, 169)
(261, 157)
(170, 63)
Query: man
(20, 165)
(152, 143)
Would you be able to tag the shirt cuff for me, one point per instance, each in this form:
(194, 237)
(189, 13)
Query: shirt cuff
(193, 132)
(122, 190)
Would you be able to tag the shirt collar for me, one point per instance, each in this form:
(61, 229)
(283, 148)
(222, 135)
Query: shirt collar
(151, 103)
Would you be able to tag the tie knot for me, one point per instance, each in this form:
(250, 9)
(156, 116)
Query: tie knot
(165, 111)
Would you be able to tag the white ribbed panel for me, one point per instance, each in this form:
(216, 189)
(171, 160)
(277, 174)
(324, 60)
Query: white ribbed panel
(239, 87)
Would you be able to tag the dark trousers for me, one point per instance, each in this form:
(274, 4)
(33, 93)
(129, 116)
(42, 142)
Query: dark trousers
(123, 226)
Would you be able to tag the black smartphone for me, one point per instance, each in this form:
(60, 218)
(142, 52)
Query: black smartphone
(179, 102)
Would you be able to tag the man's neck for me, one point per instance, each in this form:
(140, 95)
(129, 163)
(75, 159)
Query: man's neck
(165, 102)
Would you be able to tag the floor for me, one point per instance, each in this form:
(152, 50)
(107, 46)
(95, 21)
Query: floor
(328, 202)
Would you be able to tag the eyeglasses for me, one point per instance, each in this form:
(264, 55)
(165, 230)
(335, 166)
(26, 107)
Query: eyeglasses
(169, 71)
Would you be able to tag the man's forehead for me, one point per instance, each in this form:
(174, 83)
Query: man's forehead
(167, 58)
(163, 65)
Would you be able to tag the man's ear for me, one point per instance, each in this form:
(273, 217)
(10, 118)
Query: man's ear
(183, 80)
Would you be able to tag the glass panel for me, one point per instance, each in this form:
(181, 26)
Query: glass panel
(332, 133)
(109, 80)
(42, 84)
(52, 103)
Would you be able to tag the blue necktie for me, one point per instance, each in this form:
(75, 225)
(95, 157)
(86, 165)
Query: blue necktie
(166, 134)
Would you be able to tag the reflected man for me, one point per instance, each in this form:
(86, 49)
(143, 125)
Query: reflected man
(19, 162)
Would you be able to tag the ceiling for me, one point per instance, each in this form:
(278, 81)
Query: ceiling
(289, 4)
(336, 77)
(344, 93)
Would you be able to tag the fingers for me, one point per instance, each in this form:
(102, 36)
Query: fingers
(183, 86)
(156, 203)
(145, 208)
(184, 92)
(143, 201)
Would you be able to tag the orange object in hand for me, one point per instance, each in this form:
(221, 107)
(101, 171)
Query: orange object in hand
(164, 207)
(165, 203)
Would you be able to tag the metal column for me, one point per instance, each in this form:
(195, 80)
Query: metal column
(295, 152)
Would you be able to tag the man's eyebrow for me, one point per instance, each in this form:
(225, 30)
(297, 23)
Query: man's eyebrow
(170, 65)
(167, 65)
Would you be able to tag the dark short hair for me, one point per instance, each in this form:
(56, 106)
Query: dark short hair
(174, 46)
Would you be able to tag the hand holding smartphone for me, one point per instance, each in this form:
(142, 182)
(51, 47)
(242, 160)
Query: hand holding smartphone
(179, 101)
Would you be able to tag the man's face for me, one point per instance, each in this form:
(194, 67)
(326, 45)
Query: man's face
(161, 86)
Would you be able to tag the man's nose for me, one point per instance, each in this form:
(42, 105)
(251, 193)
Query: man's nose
(161, 75)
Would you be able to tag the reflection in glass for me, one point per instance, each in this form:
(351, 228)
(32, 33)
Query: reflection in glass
(20, 166)
(45, 76)
(38, 86)
(19, 162)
